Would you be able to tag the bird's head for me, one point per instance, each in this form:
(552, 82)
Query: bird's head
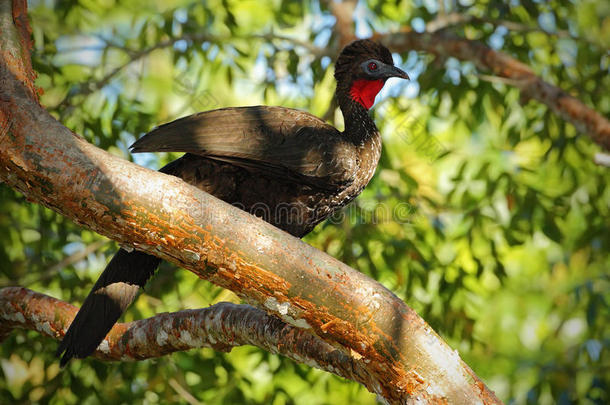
(362, 69)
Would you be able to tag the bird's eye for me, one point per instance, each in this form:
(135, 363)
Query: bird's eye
(372, 66)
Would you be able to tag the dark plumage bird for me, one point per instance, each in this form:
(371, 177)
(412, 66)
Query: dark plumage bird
(284, 165)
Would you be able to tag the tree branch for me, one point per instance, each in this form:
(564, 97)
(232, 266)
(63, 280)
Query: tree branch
(16, 43)
(314, 50)
(451, 20)
(221, 327)
(52, 270)
(134, 56)
(569, 108)
(164, 216)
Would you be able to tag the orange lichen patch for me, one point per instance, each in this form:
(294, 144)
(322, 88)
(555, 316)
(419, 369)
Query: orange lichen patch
(232, 272)
(229, 269)
(117, 331)
(324, 328)
(355, 341)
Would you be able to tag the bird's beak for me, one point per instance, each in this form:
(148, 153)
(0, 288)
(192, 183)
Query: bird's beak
(393, 71)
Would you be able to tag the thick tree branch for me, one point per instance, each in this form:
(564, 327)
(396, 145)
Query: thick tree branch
(569, 108)
(306, 288)
(221, 327)
(16, 43)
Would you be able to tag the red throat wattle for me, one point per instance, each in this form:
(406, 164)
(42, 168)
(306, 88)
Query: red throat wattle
(364, 91)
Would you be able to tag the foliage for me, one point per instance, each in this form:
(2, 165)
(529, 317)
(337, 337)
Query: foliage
(487, 213)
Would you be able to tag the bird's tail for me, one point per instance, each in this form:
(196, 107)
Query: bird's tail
(116, 288)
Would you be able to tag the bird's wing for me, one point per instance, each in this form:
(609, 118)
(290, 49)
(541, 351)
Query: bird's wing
(282, 141)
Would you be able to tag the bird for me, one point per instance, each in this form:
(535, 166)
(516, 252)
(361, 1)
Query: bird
(284, 165)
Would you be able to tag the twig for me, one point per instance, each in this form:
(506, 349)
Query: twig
(314, 50)
(451, 20)
(90, 87)
(134, 55)
(73, 258)
(183, 392)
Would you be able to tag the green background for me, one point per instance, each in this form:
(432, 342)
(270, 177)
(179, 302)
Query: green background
(487, 213)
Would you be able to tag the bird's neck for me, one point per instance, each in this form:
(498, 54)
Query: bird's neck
(355, 97)
(359, 126)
